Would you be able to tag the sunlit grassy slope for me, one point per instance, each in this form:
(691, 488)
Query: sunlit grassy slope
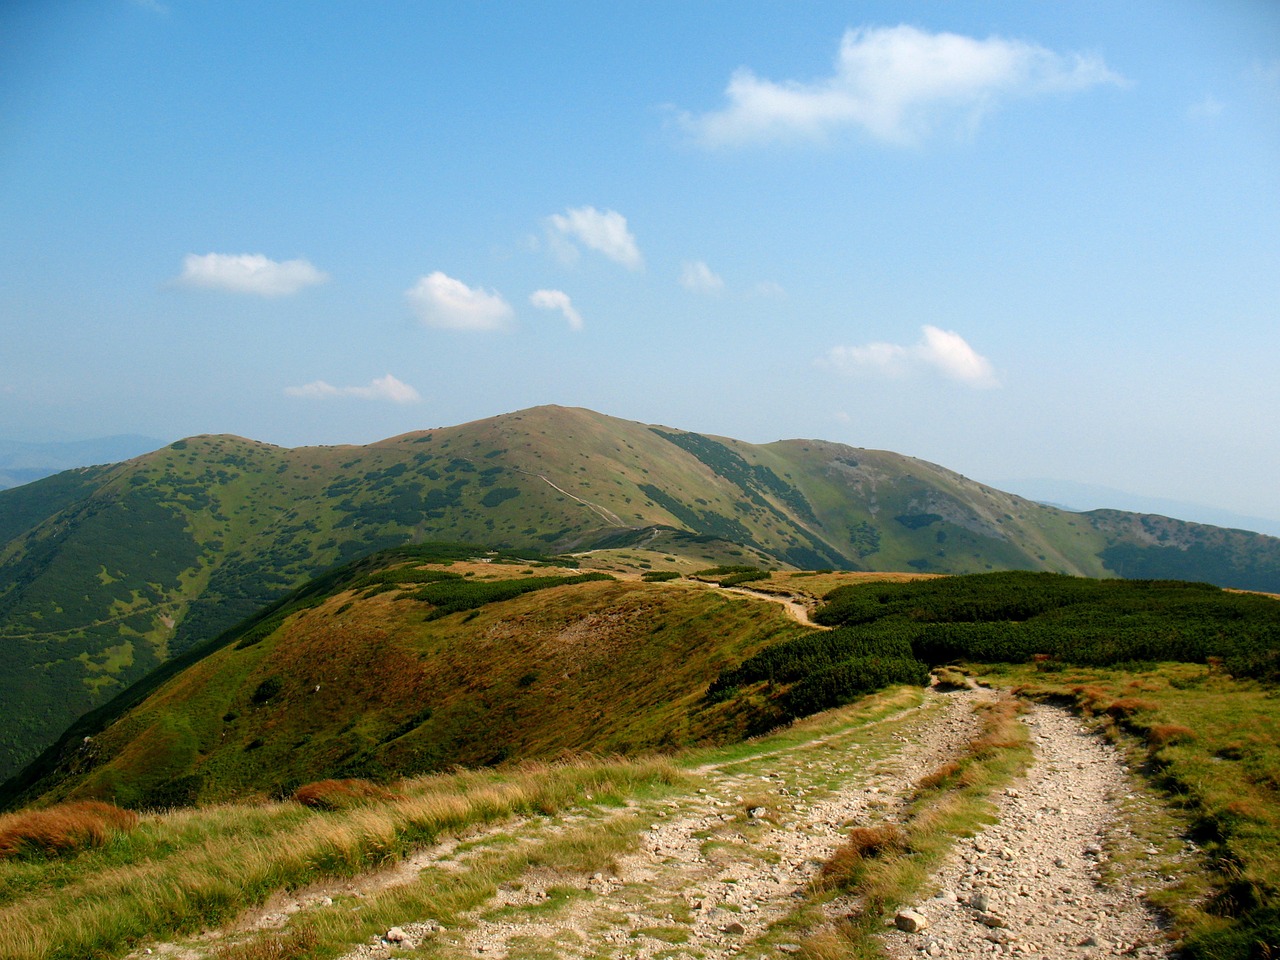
(107, 572)
(369, 679)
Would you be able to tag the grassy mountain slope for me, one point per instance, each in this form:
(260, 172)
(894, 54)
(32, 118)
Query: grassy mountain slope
(364, 677)
(109, 571)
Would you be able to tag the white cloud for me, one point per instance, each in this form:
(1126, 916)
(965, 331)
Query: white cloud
(941, 351)
(695, 275)
(603, 231)
(557, 300)
(441, 301)
(248, 273)
(896, 84)
(380, 388)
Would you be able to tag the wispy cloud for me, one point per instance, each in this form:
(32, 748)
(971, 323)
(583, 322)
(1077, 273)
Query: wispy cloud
(604, 231)
(939, 351)
(897, 84)
(557, 300)
(380, 388)
(441, 301)
(248, 273)
(695, 275)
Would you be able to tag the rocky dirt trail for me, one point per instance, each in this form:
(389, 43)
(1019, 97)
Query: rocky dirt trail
(715, 870)
(1030, 883)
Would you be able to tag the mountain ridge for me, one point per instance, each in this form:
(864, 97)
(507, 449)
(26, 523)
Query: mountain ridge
(107, 572)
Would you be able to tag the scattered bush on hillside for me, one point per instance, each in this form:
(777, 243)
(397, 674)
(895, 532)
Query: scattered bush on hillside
(747, 576)
(267, 689)
(63, 829)
(715, 573)
(454, 596)
(886, 633)
(660, 576)
(794, 659)
(401, 575)
(845, 682)
(1053, 619)
(340, 794)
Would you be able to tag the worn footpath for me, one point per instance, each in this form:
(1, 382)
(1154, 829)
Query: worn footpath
(1030, 884)
(721, 872)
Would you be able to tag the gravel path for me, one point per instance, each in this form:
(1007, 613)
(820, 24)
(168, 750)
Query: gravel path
(1029, 884)
(714, 871)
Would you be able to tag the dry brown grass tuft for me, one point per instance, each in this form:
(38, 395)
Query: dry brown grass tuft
(340, 794)
(1162, 734)
(951, 678)
(864, 843)
(62, 829)
(1000, 732)
(944, 774)
(1126, 707)
(1091, 700)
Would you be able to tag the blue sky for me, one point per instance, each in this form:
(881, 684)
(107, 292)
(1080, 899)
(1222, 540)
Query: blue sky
(1033, 240)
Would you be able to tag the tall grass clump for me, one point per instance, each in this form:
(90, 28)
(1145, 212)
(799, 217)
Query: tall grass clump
(340, 794)
(180, 872)
(63, 829)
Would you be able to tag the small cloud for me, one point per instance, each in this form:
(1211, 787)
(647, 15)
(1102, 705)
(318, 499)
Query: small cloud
(603, 231)
(557, 300)
(695, 275)
(1206, 108)
(380, 388)
(248, 273)
(896, 84)
(153, 5)
(942, 351)
(441, 301)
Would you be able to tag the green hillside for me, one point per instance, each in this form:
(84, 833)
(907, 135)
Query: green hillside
(412, 661)
(107, 572)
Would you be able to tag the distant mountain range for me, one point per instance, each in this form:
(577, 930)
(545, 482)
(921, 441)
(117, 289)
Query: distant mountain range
(1082, 497)
(108, 571)
(23, 462)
